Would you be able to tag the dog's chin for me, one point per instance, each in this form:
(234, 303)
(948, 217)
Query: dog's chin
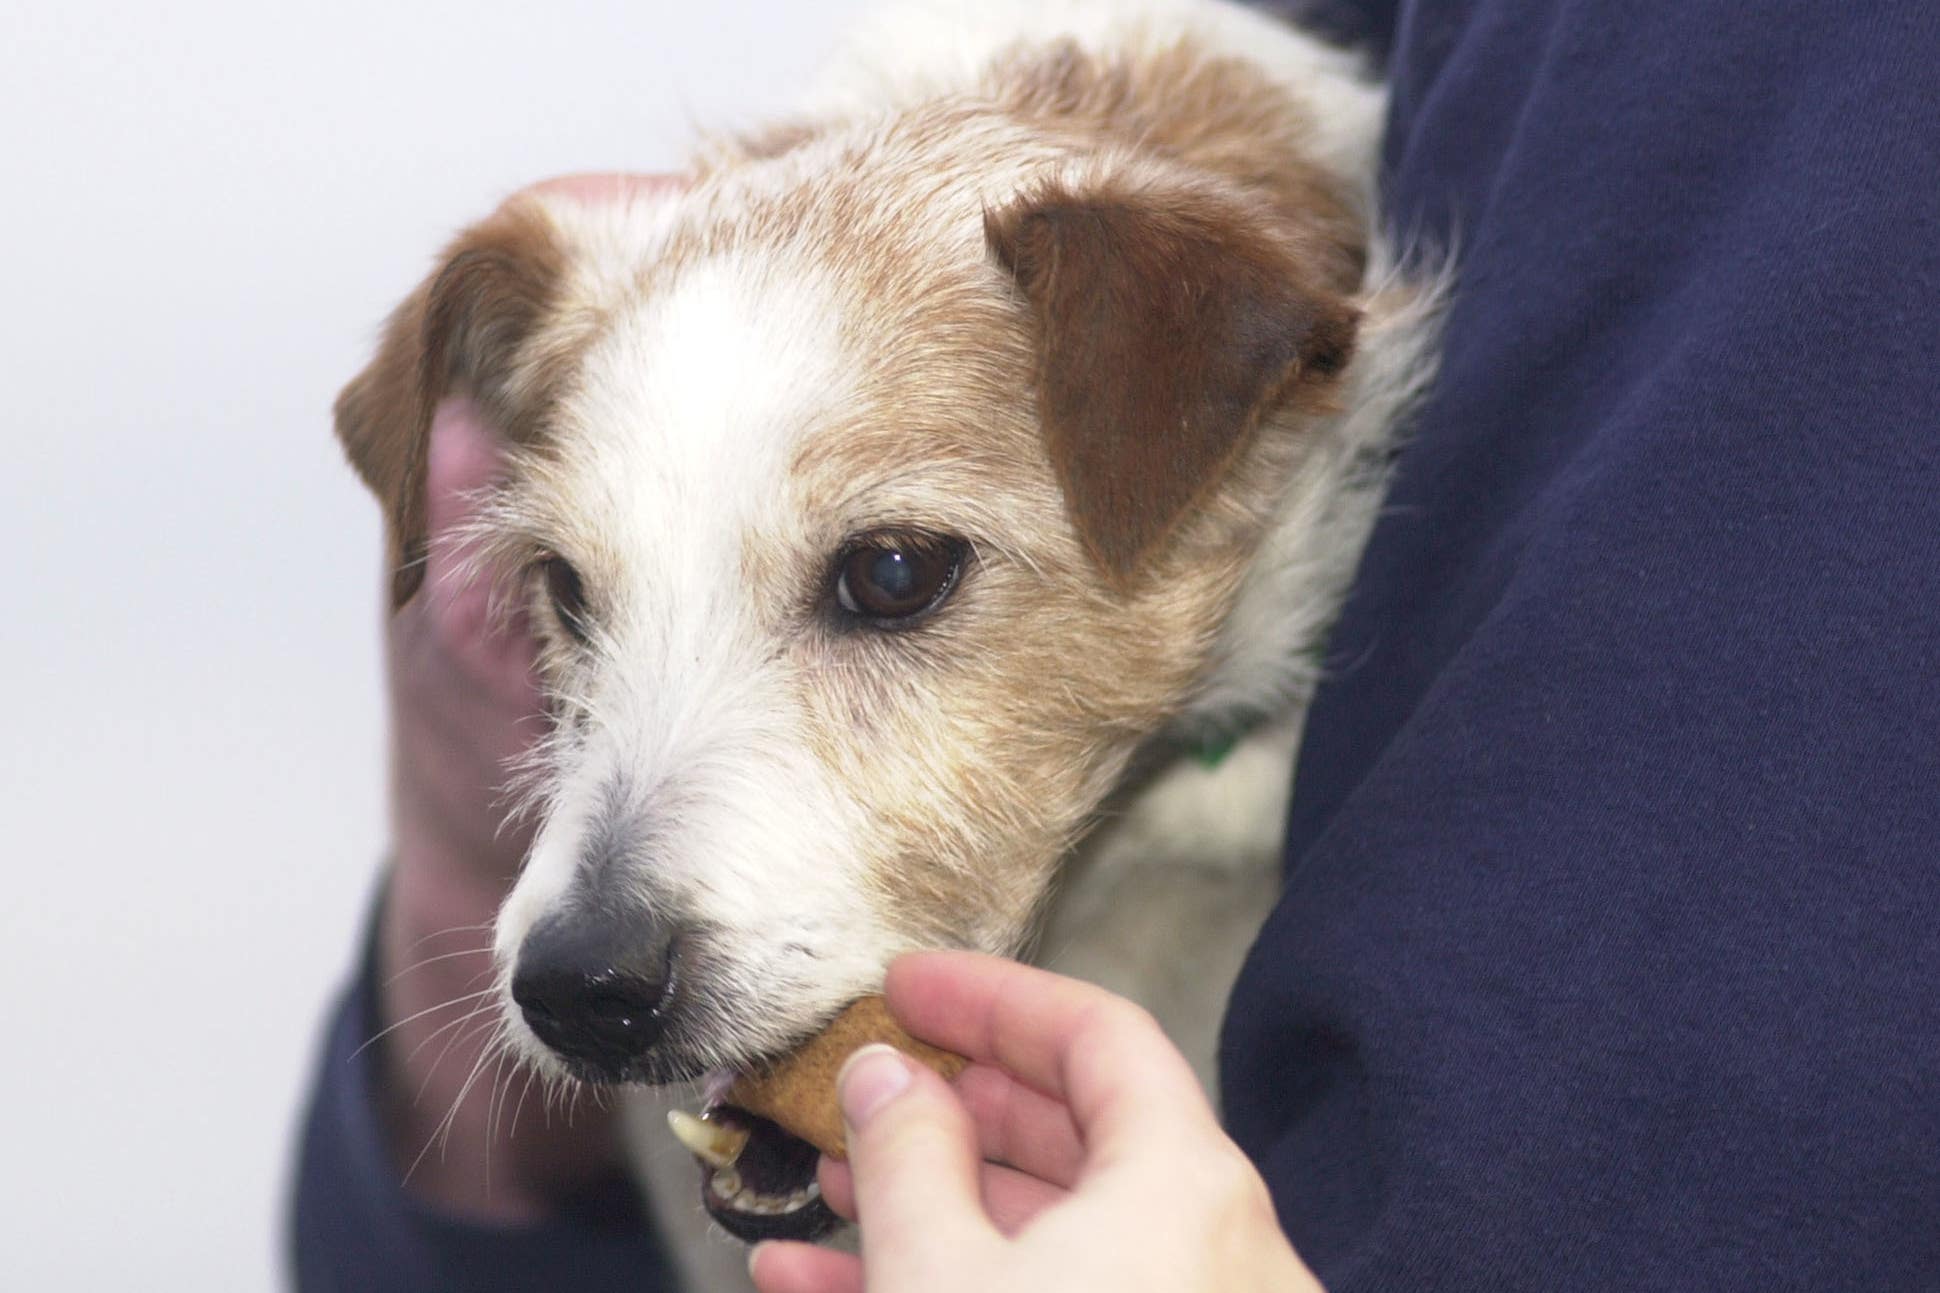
(770, 1190)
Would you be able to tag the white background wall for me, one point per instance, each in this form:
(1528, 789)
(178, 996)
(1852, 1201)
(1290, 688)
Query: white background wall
(205, 209)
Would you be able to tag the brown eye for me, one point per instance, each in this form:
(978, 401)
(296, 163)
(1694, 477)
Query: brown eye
(891, 578)
(568, 595)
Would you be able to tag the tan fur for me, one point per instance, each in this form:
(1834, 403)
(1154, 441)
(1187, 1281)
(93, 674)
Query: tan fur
(977, 791)
(986, 784)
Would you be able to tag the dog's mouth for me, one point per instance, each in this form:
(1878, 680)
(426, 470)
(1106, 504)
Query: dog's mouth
(757, 1181)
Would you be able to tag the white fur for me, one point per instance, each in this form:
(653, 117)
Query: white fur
(688, 722)
(912, 50)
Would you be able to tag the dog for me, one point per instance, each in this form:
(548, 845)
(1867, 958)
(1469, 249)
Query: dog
(931, 514)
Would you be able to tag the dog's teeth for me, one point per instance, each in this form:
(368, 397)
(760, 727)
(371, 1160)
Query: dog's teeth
(712, 1143)
(769, 1205)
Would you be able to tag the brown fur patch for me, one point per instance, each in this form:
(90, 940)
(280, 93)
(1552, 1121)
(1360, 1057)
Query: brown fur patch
(1218, 116)
(460, 331)
(1169, 324)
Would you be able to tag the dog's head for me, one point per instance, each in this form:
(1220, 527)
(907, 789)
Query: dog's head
(871, 522)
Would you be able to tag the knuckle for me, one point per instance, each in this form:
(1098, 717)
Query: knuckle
(1230, 1185)
(1119, 1018)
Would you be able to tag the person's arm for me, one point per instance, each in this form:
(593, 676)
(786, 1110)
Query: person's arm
(1608, 952)
(1607, 955)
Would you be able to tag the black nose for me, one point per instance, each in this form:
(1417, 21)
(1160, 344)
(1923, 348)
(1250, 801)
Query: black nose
(596, 987)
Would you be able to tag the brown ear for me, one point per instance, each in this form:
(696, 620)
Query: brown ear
(1170, 324)
(461, 330)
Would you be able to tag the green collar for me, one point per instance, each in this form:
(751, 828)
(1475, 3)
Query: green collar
(1212, 749)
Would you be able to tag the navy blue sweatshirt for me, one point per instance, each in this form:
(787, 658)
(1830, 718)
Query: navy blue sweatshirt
(1610, 952)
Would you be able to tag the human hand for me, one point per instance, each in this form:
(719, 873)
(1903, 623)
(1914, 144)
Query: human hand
(1077, 1152)
(465, 703)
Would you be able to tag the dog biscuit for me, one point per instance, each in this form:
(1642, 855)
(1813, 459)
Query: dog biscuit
(798, 1093)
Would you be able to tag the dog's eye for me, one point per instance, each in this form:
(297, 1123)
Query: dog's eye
(895, 578)
(568, 595)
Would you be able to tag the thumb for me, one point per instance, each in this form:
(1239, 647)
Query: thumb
(913, 1152)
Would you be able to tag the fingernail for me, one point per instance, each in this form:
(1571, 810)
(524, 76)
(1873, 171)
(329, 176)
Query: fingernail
(873, 1077)
(754, 1255)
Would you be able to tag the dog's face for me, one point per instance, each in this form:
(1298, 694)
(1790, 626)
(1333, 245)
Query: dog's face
(872, 517)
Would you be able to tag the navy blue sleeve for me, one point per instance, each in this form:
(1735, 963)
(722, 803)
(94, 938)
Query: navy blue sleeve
(355, 1229)
(1610, 952)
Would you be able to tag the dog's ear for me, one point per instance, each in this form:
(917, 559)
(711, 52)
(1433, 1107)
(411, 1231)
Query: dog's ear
(1169, 325)
(462, 330)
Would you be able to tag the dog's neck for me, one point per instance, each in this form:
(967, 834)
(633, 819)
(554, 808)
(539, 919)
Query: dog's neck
(1271, 650)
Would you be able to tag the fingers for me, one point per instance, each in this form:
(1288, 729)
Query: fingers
(1016, 1127)
(595, 187)
(1138, 1142)
(463, 457)
(1011, 1199)
(451, 618)
(1103, 1057)
(1030, 1136)
(913, 1153)
(778, 1267)
(1021, 1127)
(837, 1183)
(465, 701)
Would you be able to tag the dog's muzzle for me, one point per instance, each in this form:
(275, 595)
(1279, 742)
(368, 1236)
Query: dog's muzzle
(600, 986)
